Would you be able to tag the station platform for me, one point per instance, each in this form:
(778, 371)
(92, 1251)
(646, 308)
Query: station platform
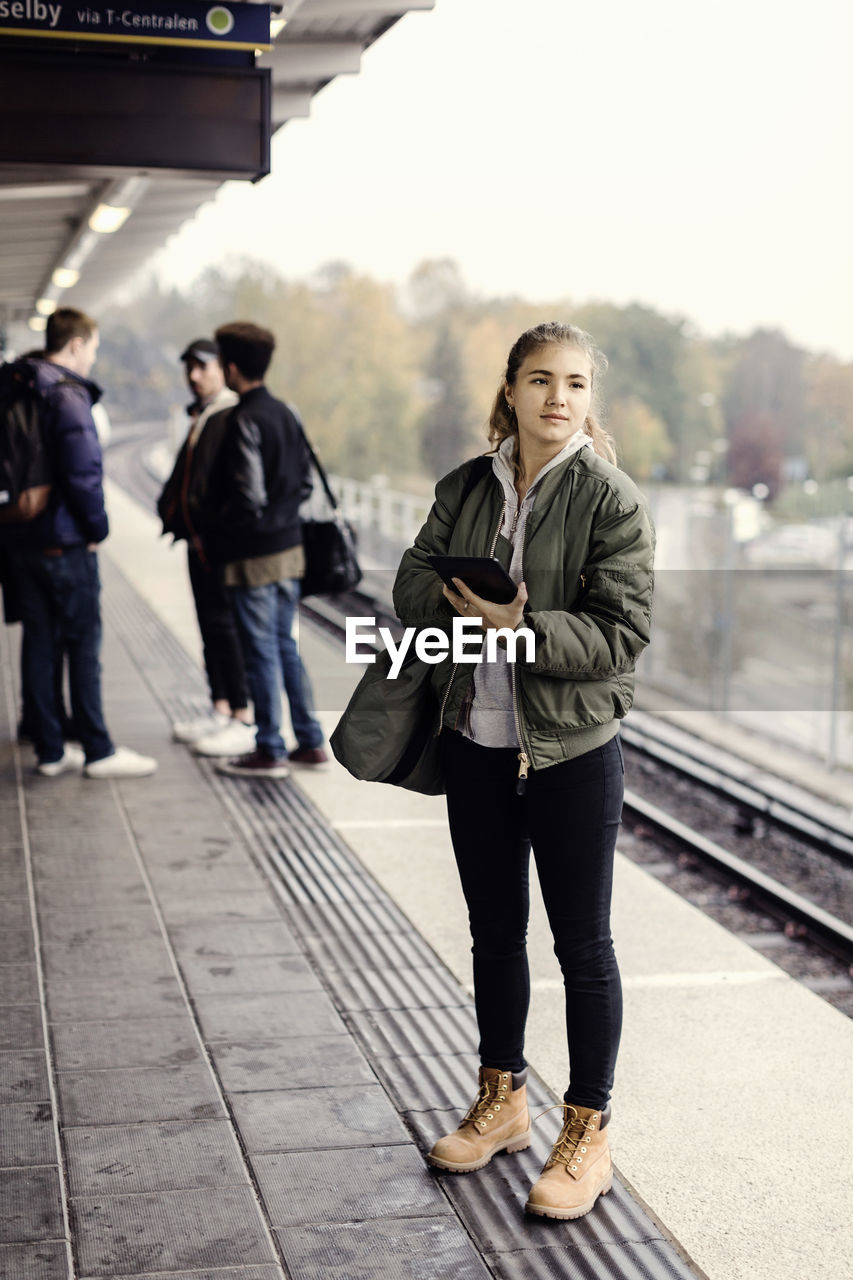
(235, 1013)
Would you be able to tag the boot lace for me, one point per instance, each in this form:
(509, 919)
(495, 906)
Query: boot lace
(572, 1144)
(490, 1096)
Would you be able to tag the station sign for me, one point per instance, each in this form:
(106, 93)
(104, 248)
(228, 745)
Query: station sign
(184, 23)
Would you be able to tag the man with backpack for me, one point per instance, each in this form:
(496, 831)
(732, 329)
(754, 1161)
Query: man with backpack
(52, 548)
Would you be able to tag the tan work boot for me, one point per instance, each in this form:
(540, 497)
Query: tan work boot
(578, 1170)
(498, 1120)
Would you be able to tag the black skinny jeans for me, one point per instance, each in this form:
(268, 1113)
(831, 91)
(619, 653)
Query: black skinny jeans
(570, 814)
(223, 656)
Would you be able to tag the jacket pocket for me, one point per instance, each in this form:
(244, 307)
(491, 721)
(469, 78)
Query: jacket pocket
(554, 705)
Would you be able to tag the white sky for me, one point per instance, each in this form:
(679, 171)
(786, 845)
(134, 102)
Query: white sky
(693, 155)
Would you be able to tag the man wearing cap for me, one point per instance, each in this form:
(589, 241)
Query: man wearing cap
(227, 728)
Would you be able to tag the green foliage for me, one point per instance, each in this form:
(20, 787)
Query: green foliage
(649, 363)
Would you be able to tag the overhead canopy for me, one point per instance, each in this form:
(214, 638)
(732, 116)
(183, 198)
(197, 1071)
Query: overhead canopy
(45, 210)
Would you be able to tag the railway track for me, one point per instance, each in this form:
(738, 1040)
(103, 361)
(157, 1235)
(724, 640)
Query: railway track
(804, 918)
(793, 814)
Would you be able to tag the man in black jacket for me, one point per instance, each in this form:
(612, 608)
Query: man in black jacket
(56, 564)
(263, 474)
(183, 506)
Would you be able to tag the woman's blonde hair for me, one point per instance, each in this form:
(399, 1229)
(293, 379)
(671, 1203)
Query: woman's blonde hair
(502, 420)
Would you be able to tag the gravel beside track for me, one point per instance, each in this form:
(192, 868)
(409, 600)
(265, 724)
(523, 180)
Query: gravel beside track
(815, 875)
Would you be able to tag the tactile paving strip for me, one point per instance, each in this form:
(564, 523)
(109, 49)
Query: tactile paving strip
(415, 1025)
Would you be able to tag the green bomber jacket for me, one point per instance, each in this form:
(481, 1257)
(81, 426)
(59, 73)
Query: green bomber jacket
(588, 566)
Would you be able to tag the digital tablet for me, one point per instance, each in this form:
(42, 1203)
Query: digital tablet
(484, 575)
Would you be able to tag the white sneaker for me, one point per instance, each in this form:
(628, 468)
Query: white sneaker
(123, 763)
(201, 727)
(236, 739)
(72, 758)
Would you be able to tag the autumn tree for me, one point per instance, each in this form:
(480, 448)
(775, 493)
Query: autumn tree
(765, 393)
(346, 359)
(486, 341)
(756, 451)
(642, 440)
(828, 442)
(649, 361)
(434, 291)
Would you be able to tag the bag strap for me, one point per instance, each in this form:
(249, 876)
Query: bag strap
(479, 467)
(324, 479)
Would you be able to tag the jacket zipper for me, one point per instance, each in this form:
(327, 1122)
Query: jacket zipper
(523, 758)
(456, 664)
(500, 523)
(514, 525)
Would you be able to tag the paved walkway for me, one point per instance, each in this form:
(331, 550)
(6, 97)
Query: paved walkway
(223, 1045)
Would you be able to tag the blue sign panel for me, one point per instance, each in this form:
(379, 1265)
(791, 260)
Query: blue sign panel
(188, 23)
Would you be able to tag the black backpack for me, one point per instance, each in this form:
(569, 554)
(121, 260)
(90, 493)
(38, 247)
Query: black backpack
(25, 467)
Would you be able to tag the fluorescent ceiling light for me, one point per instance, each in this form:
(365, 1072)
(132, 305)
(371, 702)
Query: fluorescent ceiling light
(65, 277)
(38, 323)
(46, 306)
(44, 191)
(277, 25)
(108, 218)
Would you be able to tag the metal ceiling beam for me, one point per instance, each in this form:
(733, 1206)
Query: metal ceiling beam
(303, 62)
(290, 104)
(331, 9)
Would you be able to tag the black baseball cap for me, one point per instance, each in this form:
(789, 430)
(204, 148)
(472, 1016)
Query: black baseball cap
(202, 350)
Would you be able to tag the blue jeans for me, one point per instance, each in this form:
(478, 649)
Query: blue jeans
(61, 612)
(265, 617)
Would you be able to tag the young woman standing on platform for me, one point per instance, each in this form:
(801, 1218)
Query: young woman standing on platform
(532, 756)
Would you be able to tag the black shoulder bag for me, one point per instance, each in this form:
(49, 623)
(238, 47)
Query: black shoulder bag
(388, 732)
(331, 563)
